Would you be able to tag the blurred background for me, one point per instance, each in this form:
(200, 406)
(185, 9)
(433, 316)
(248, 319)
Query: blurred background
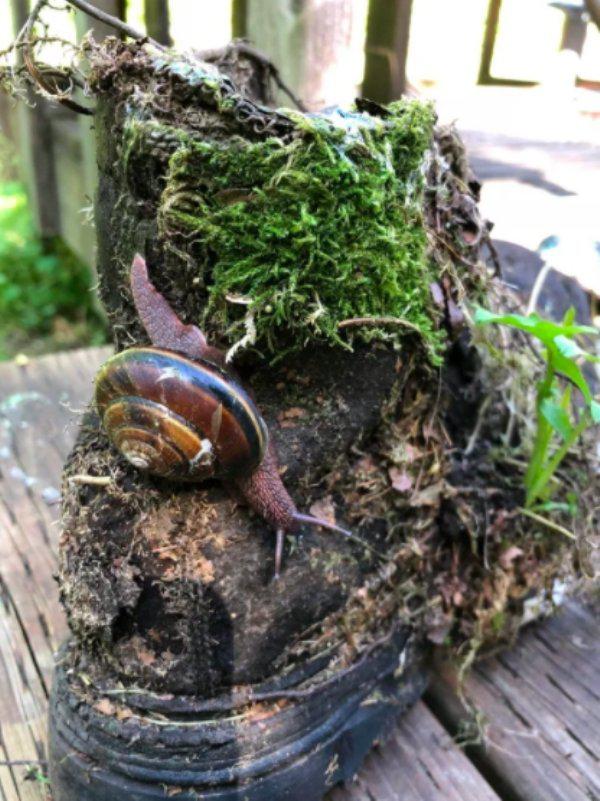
(521, 79)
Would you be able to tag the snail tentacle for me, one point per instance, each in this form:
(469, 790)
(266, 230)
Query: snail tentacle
(279, 539)
(162, 325)
(317, 521)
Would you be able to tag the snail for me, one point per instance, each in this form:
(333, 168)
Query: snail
(175, 409)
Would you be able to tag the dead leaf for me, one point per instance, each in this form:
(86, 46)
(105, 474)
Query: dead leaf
(430, 496)
(366, 464)
(146, 656)
(508, 556)
(401, 481)
(324, 509)
(204, 569)
(293, 412)
(105, 707)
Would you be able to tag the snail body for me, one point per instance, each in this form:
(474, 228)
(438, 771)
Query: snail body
(173, 409)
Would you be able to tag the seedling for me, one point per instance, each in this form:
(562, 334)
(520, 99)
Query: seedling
(560, 421)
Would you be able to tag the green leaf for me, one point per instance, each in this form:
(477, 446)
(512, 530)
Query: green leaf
(544, 330)
(562, 352)
(554, 506)
(569, 348)
(568, 368)
(557, 417)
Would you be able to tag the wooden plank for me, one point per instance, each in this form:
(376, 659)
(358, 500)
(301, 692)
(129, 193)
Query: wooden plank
(386, 49)
(318, 47)
(7, 121)
(239, 21)
(76, 184)
(32, 457)
(156, 15)
(36, 148)
(85, 169)
(540, 699)
(418, 762)
(40, 406)
(489, 41)
(23, 718)
(539, 705)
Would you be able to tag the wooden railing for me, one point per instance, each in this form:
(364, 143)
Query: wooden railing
(326, 51)
(56, 147)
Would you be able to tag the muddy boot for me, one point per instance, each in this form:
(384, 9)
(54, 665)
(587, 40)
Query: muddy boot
(247, 625)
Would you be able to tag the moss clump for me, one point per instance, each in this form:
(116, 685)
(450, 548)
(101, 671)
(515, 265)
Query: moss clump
(307, 231)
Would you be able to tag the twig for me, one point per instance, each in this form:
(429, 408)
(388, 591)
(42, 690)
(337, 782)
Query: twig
(25, 38)
(13, 763)
(487, 240)
(248, 50)
(478, 425)
(540, 280)
(252, 52)
(26, 41)
(95, 481)
(114, 22)
(548, 523)
(353, 322)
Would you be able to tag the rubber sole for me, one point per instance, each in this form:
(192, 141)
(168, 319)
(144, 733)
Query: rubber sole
(263, 744)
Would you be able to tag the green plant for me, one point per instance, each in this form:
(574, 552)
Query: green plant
(559, 420)
(40, 281)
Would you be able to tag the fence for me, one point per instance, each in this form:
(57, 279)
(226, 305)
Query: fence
(326, 50)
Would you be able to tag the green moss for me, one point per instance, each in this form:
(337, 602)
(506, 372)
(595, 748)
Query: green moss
(308, 231)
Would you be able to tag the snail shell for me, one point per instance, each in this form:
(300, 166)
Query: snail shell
(177, 417)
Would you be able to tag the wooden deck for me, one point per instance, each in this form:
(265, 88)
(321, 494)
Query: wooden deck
(538, 706)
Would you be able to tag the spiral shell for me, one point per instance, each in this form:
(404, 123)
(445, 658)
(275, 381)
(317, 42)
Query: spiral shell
(177, 417)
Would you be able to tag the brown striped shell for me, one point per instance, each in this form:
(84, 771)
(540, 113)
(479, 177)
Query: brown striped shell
(177, 417)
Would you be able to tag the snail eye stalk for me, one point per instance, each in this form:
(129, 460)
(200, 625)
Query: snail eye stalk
(317, 521)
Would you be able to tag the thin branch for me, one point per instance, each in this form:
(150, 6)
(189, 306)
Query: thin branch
(26, 41)
(25, 38)
(540, 280)
(485, 404)
(355, 322)
(114, 22)
(548, 523)
(248, 50)
(252, 52)
(96, 481)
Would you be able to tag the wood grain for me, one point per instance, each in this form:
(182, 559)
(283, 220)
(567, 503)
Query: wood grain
(40, 405)
(419, 762)
(538, 704)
